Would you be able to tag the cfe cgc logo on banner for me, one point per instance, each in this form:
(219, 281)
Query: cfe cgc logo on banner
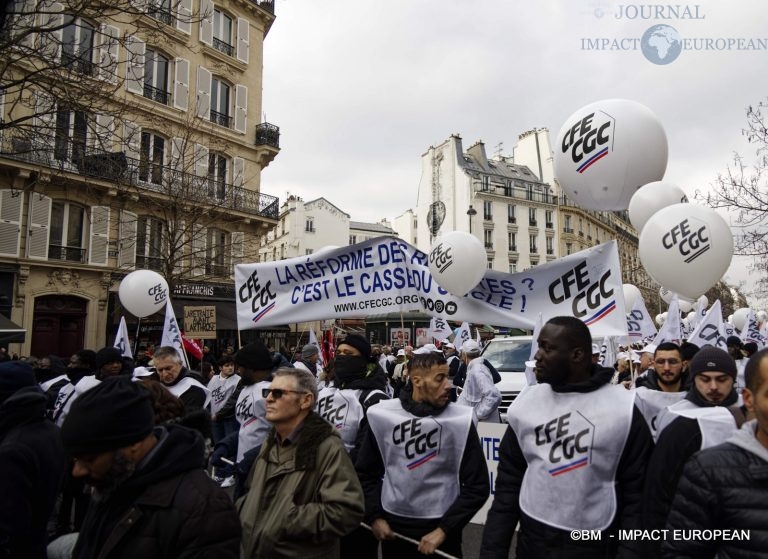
(591, 300)
(690, 238)
(589, 140)
(419, 439)
(570, 439)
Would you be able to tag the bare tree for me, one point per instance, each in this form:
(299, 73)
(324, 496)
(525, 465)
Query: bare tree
(742, 189)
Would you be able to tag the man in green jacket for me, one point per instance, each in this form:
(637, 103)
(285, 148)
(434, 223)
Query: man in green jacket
(303, 493)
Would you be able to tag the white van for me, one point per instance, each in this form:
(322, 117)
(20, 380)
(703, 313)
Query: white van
(509, 354)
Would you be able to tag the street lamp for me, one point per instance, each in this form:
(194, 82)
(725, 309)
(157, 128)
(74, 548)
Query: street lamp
(471, 212)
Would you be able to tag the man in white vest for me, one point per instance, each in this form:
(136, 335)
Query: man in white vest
(421, 466)
(701, 420)
(479, 392)
(176, 378)
(572, 459)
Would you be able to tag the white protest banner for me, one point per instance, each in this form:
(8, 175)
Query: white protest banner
(607, 353)
(121, 339)
(670, 330)
(490, 439)
(171, 334)
(385, 275)
(439, 329)
(701, 311)
(751, 332)
(462, 335)
(639, 322)
(710, 330)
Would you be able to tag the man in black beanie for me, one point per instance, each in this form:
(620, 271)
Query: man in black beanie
(151, 496)
(704, 418)
(31, 461)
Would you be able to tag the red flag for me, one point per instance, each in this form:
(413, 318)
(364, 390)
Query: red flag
(192, 347)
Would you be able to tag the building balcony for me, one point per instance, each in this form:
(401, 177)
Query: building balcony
(266, 5)
(160, 14)
(513, 248)
(156, 94)
(123, 171)
(549, 225)
(568, 230)
(268, 135)
(511, 220)
(532, 222)
(489, 246)
(221, 119)
(68, 254)
(221, 46)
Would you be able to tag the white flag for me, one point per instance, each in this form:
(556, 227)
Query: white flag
(701, 312)
(171, 334)
(729, 329)
(313, 341)
(710, 330)
(462, 335)
(530, 365)
(607, 353)
(122, 341)
(639, 322)
(478, 339)
(751, 332)
(439, 329)
(670, 330)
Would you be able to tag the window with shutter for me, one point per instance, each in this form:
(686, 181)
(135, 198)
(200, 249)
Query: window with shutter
(38, 226)
(241, 108)
(203, 93)
(126, 256)
(181, 84)
(134, 70)
(206, 22)
(243, 39)
(97, 251)
(11, 202)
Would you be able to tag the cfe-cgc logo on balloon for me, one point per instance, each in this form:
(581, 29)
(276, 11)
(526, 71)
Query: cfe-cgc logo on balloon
(589, 139)
(442, 258)
(159, 292)
(690, 237)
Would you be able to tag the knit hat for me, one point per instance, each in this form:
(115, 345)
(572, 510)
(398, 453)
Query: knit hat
(733, 341)
(15, 375)
(712, 359)
(114, 414)
(108, 355)
(308, 351)
(360, 344)
(254, 356)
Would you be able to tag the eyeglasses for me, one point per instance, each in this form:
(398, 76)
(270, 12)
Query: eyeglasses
(672, 362)
(277, 393)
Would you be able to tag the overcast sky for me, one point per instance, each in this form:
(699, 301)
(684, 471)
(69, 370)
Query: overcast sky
(361, 88)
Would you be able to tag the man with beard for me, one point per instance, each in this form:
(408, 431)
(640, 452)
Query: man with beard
(254, 364)
(150, 495)
(421, 465)
(360, 383)
(699, 421)
(572, 459)
(176, 378)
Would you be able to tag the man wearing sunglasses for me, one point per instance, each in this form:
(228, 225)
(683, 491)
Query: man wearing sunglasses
(303, 493)
(701, 420)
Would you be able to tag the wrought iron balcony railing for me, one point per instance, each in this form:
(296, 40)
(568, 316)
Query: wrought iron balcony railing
(221, 119)
(117, 168)
(268, 135)
(266, 5)
(156, 94)
(69, 254)
(223, 46)
(161, 14)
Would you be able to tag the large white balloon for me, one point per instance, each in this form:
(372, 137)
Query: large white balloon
(457, 261)
(684, 304)
(631, 293)
(703, 301)
(665, 294)
(605, 151)
(740, 318)
(762, 316)
(651, 198)
(143, 292)
(686, 248)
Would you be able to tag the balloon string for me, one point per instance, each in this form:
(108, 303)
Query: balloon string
(411, 540)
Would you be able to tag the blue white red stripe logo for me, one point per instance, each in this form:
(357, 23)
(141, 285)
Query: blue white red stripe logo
(592, 160)
(423, 460)
(263, 312)
(601, 314)
(580, 463)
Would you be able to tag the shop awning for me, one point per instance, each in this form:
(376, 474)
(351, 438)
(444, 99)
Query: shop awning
(10, 332)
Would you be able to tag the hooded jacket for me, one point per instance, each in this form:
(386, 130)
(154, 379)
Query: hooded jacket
(542, 541)
(725, 486)
(168, 508)
(32, 464)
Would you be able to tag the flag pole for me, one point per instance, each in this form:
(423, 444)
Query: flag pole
(136, 340)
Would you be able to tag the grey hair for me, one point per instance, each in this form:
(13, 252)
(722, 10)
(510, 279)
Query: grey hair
(167, 351)
(305, 381)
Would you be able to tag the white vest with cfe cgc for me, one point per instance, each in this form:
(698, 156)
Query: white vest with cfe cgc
(251, 412)
(716, 423)
(572, 442)
(221, 389)
(653, 404)
(422, 456)
(185, 384)
(342, 409)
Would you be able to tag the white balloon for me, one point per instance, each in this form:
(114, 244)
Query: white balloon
(457, 261)
(660, 319)
(686, 248)
(631, 293)
(605, 151)
(684, 304)
(762, 316)
(665, 294)
(143, 292)
(729, 320)
(690, 315)
(651, 198)
(740, 318)
(703, 301)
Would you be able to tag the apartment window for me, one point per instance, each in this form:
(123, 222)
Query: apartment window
(222, 32)
(487, 211)
(548, 219)
(353, 239)
(309, 225)
(151, 158)
(488, 236)
(486, 183)
(581, 227)
(550, 246)
(511, 213)
(589, 231)
(568, 226)
(217, 176)
(529, 192)
(568, 248)
(533, 244)
(507, 189)
(149, 243)
(66, 240)
(532, 217)
(308, 251)
(512, 238)
(220, 103)
(490, 263)
(161, 11)
(156, 76)
(215, 264)
(77, 45)
(513, 266)
(71, 135)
